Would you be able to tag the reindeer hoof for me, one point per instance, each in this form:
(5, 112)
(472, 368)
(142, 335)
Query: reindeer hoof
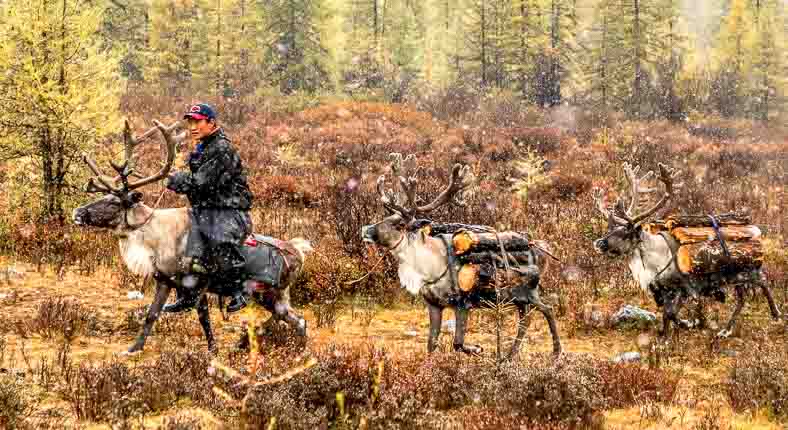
(473, 349)
(130, 352)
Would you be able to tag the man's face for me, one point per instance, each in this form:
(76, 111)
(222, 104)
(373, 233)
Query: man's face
(201, 128)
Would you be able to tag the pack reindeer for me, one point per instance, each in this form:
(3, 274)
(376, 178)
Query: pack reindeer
(652, 257)
(427, 268)
(152, 241)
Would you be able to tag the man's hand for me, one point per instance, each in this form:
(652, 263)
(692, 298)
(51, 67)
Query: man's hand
(179, 182)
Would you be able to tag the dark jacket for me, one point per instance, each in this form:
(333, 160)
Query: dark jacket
(216, 179)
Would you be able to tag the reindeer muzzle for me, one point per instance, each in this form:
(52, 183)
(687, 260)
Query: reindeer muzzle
(78, 216)
(369, 234)
(601, 246)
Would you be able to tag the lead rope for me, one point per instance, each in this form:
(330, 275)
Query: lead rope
(383, 257)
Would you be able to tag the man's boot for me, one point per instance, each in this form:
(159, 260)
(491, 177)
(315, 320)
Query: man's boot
(240, 297)
(239, 301)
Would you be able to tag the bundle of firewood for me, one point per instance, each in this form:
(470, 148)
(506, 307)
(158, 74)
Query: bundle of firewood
(700, 250)
(481, 257)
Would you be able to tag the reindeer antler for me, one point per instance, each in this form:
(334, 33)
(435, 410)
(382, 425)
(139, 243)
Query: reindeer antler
(406, 169)
(125, 169)
(599, 199)
(634, 183)
(666, 176)
(388, 198)
(458, 182)
(616, 216)
(166, 132)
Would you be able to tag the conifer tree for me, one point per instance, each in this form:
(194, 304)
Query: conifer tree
(294, 55)
(58, 88)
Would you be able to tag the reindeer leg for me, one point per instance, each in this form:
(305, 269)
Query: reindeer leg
(436, 318)
(677, 305)
(739, 305)
(522, 327)
(284, 311)
(547, 311)
(162, 291)
(668, 312)
(772, 305)
(205, 321)
(460, 320)
(243, 340)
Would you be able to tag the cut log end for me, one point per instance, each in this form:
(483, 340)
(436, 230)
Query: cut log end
(463, 242)
(468, 277)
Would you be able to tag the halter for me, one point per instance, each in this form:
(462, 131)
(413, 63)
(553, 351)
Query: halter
(134, 227)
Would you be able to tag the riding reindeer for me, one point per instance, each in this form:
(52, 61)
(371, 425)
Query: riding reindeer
(652, 257)
(427, 267)
(152, 242)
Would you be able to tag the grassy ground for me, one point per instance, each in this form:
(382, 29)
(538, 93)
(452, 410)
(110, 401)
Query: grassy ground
(697, 402)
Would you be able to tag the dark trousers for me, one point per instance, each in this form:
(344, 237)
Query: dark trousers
(216, 238)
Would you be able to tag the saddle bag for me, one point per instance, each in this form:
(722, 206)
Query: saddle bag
(268, 260)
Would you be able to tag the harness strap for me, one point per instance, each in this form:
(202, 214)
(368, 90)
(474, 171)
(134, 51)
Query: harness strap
(719, 235)
(449, 264)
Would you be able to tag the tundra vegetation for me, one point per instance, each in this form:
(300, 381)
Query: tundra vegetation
(544, 100)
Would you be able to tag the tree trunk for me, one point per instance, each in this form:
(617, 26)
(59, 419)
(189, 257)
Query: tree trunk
(636, 91)
(375, 20)
(523, 47)
(483, 25)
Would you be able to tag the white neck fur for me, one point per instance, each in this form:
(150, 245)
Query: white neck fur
(135, 250)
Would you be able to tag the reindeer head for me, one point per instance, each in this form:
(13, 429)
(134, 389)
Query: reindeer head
(623, 224)
(110, 210)
(404, 217)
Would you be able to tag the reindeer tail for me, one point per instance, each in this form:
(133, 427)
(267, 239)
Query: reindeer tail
(301, 245)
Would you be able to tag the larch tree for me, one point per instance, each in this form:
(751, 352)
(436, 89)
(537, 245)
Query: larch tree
(556, 44)
(604, 78)
(668, 63)
(487, 33)
(177, 48)
(294, 54)
(358, 56)
(770, 67)
(59, 90)
(733, 59)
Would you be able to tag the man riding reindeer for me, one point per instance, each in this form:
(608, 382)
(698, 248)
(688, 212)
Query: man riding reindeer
(220, 199)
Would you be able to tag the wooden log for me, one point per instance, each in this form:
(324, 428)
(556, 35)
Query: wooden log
(515, 258)
(451, 228)
(704, 221)
(655, 227)
(708, 257)
(468, 241)
(468, 277)
(687, 235)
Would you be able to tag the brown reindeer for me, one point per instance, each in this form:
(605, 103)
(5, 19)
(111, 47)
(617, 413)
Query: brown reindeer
(427, 267)
(152, 242)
